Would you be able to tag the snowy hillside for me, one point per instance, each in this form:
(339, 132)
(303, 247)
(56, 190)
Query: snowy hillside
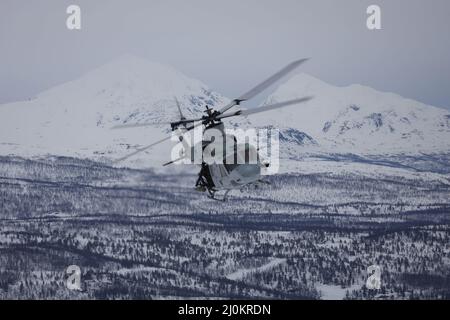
(358, 119)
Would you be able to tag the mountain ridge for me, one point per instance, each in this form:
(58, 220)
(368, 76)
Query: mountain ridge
(74, 118)
(359, 119)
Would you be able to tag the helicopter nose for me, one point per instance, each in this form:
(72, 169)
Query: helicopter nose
(248, 170)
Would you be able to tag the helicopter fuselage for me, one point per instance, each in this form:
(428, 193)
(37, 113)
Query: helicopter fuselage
(238, 165)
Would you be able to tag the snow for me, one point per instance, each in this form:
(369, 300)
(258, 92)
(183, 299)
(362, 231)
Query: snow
(332, 292)
(241, 273)
(375, 171)
(74, 119)
(142, 269)
(358, 119)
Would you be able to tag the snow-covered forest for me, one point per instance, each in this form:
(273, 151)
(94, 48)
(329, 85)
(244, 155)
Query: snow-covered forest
(137, 234)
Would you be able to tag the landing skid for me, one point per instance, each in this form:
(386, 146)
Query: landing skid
(264, 182)
(212, 195)
(204, 184)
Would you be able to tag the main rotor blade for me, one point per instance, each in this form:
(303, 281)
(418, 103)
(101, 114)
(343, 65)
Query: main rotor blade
(182, 117)
(265, 108)
(192, 126)
(137, 125)
(184, 121)
(264, 85)
(147, 124)
(275, 106)
(141, 150)
(173, 161)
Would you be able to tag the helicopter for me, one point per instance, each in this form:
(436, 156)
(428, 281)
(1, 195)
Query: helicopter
(233, 170)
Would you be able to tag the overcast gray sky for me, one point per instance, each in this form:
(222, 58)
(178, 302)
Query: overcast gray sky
(231, 44)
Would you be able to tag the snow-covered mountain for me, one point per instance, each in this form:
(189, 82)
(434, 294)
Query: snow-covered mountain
(357, 119)
(74, 119)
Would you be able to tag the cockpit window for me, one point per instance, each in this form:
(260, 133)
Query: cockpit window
(230, 167)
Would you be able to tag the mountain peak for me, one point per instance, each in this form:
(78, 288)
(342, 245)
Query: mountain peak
(305, 78)
(303, 83)
(75, 117)
(126, 78)
(299, 85)
(133, 65)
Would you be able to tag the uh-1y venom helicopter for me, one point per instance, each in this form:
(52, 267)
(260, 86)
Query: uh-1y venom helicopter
(214, 177)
